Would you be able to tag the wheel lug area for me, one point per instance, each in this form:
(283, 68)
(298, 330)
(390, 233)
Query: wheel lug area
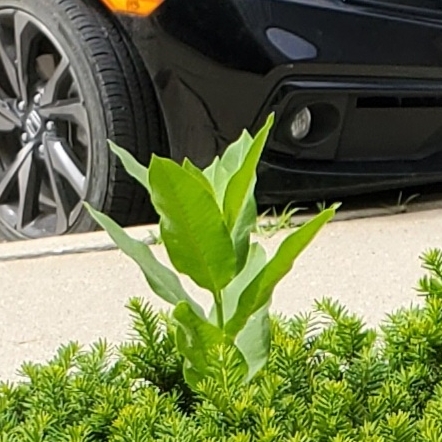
(50, 126)
(21, 106)
(24, 137)
(34, 125)
(41, 151)
(37, 99)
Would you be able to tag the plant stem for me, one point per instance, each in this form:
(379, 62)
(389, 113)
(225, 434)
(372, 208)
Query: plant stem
(219, 309)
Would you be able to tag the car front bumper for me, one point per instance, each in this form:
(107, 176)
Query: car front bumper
(218, 67)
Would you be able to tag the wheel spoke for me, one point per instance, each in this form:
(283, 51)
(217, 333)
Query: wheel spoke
(8, 65)
(70, 109)
(9, 120)
(29, 188)
(53, 84)
(9, 178)
(45, 200)
(65, 163)
(61, 200)
(23, 36)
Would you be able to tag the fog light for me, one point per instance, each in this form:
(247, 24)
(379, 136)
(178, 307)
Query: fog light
(301, 124)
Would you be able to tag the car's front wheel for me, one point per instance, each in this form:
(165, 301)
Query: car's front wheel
(69, 80)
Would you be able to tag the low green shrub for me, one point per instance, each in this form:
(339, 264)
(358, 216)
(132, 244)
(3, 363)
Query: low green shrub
(328, 378)
(238, 375)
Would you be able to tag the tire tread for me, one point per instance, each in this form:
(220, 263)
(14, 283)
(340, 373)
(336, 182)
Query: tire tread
(129, 103)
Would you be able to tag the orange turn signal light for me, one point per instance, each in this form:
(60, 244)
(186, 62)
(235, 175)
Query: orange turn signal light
(138, 7)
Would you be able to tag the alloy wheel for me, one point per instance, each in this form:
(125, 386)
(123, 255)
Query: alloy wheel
(45, 133)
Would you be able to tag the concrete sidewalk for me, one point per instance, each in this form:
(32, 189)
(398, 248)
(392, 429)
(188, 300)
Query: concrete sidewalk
(51, 293)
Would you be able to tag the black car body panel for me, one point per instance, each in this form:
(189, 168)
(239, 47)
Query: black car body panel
(370, 71)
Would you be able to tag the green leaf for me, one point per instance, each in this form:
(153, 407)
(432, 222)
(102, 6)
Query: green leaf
(243, 181)
(210, 171)
(233, 178)
(259, 292)
(160, 278)
(131, 165)
(230, 295)
(235, 154)
(198, 174)
(239, 203)
(218, 177)
(254, 340)
(195, 338)
(242, 229)
(255, 263)
(222, 169)
(192, 226)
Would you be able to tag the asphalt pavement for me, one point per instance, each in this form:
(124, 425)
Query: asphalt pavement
(75, 288)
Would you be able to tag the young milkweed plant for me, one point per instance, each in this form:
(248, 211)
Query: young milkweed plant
(206, 220)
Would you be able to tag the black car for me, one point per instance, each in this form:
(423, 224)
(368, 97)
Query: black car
(356, 86)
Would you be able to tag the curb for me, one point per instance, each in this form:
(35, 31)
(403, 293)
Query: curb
(70, 244)
(363, 213)
(100, 242)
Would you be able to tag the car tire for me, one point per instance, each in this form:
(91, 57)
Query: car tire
(110, 81)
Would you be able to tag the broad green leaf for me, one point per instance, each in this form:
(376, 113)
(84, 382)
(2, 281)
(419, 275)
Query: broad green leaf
(239, 203)
(255, 263)
(198, 174)
(131, 165)
(253, 341)
(242, 229)
(218, 177)
(235, 154)
(221, 170)
(192, 226)
(191, 375)
(200, 335)
(160, 278)
(210, 171)
(239, 186)
(195, 338)
(259, 292)
(230, 296)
